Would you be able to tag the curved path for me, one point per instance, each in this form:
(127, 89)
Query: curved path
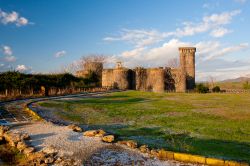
(90, 151)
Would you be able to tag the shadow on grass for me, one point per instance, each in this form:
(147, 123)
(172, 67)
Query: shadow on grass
(106, 100)
(180, 142)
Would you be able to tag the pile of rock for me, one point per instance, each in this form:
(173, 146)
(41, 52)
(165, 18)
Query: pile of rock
(100, 133)
(130, 143)
(48, 156)
(153, 153)
(75, 128)
(16, 140)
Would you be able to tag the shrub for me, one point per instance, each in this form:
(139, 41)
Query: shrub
(202, 88)
(246, 85)
(216, 89)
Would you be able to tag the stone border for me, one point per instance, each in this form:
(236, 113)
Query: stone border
(168, 155)
(32, 113)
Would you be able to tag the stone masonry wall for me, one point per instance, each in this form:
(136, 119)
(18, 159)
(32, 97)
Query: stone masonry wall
(155, 79)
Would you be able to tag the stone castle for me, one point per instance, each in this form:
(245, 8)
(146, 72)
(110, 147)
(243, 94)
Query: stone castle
(160, 79)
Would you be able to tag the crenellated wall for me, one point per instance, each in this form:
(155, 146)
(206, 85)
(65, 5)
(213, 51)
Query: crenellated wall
(155, 79)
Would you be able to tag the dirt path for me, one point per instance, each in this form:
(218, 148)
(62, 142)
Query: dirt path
(87, 150)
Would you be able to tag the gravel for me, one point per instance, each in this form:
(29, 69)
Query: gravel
(87, 150)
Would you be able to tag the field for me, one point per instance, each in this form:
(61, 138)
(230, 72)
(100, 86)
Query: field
(214, 125)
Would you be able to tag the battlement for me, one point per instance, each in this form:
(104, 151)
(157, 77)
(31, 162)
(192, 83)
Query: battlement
(158, 79)
(187, 49)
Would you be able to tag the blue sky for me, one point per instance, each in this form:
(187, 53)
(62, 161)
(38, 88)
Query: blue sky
(45, 35)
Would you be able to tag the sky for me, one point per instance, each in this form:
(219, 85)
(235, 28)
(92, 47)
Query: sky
(44, 36)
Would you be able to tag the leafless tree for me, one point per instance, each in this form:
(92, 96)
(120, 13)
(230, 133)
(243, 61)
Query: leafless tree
(211, 81)
(173, 63)
(81, 64)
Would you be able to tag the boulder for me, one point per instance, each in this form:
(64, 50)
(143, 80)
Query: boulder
(49, 160)
(144, 149)
(100, 133)
(130, 143)
(90, 133)
(154, 153)
(75, 128)
(28, 150)
(12, 138)
(108, 138)
(21, 146)
(94, 133)
(50, 150)
(3, 129)
(1, 139)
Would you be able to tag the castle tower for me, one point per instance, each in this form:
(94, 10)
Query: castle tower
(187, 62)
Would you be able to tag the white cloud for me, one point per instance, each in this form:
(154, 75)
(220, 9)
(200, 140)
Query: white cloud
(226, 50)
(10, 58)
(8, 54)
(22, 21)
(211, 5)
(151, 57)
(7, 50)
(139, 38)
(220, 75)
(213, 23)
(219, 32)
(60, 54)
(23, 68)
(209, 23)
(12, 17)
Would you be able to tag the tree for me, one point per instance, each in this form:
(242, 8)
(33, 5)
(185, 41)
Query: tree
(211, 81)
(216, 89)
(201, 88)
(173, 63)
(246, 85)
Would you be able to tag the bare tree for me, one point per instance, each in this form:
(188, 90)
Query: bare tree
(212, 81)
(173, 63)
(93, 58)
(85, 63)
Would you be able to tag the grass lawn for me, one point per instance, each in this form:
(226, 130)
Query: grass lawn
(214, 125)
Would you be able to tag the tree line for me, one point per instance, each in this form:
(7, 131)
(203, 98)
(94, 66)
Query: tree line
(14, 83)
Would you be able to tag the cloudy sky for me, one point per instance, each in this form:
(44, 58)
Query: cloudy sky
(44, 35)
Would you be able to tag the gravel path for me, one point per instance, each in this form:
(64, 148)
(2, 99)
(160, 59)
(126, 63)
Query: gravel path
(87, 150)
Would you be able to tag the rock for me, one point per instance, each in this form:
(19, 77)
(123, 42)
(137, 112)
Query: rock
(21, 146)
(1, 139)
(90, 133)
(108, 138)
(154, 153)
(28, 150)
(50, 150)
(58, 160)
(75, 128)
(144, 149)
(3, 129)
(130, 143)
(25, 136)
(49, 160)
(12, 138)
(94, 133)
(100, 133)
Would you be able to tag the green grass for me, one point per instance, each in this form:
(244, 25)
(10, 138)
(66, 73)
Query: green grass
(214, 125)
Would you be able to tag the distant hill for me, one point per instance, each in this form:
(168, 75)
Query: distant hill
(239, 79)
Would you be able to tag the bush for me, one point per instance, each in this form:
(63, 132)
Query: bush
(216, 89)
(246, 85)
(202, 88)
